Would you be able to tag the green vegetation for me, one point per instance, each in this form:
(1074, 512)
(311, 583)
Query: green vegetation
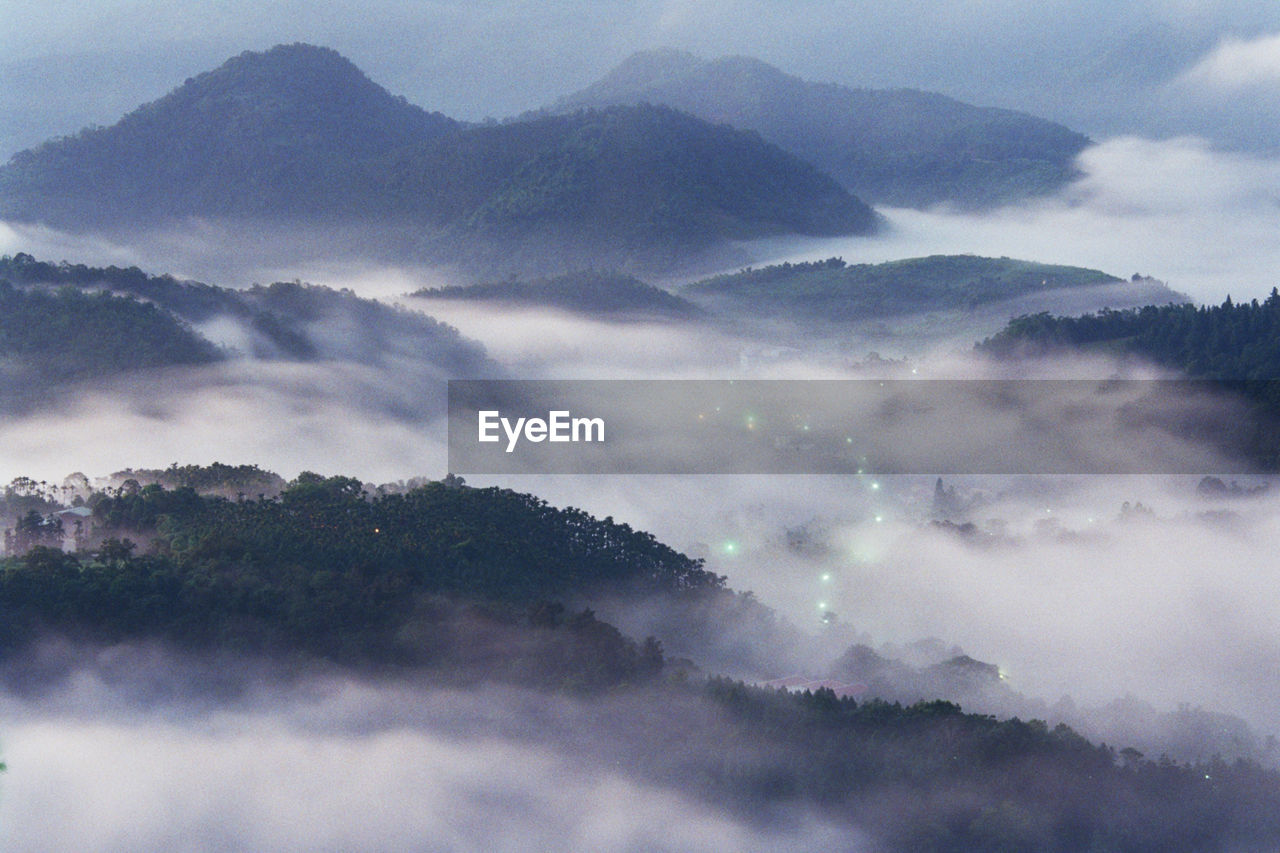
(214, 479)
(834, 290)
(190, 300)
(298, 135)
(656, 174)
(265, 133)
(897, 147)
(68, 334)
(599, 294)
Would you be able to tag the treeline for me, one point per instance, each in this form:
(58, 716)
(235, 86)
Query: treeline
(1231, 341)
(472, 585)
(192, 300)
(216, 478)
(1235, 344)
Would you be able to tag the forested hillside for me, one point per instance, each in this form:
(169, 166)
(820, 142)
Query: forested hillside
(1236, 345)
(66, 334)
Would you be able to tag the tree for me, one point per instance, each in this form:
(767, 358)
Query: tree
(31, 530)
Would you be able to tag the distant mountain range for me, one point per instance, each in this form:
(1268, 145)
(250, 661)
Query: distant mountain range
(299, 135)
(662, 161)
(896, 147)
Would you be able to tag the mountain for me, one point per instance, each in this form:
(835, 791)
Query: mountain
(606, 295)
(897, 147)
(298, 135)
(266, 133)
(834, 290)
(640, 172)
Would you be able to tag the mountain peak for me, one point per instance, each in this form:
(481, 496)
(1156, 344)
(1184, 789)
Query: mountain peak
(296, 88)
(646, 66)
(275, 124)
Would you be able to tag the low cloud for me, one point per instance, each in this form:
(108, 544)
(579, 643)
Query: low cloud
(1200, 219)
(378, 423)
(336, 764)
(1238, 64)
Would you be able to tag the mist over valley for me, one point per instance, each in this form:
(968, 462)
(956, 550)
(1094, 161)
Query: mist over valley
(246, 603)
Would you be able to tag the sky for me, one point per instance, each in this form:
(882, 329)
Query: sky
(1152, 67)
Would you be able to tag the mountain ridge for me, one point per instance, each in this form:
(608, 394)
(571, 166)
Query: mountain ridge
(299, 135)
(901, 147)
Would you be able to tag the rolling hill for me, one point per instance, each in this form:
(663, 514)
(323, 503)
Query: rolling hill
(836, 291)
(604, 295)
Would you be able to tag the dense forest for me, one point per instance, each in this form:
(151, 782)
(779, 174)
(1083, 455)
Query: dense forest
(834, 290)
(68, 334)
(896, 147)
(473, 585)
(611, 295)
(298, 135)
